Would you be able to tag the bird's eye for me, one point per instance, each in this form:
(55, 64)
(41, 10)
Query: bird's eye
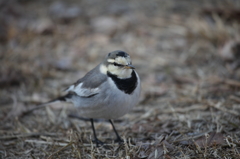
(116, 64)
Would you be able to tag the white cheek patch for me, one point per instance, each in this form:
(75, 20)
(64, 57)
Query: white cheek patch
(111, 68)
(120, 73)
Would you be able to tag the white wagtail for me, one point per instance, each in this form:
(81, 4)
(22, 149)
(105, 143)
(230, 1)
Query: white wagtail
(108, 91)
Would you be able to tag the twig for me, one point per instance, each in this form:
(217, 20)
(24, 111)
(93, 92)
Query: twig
(236, 99)
(232, 82)
(27, 135)
(69, 144)
(192, 137)
(217, 106)
(205, 104)
(227, 81)
(184, 110)
(62, 143)
(47, 142)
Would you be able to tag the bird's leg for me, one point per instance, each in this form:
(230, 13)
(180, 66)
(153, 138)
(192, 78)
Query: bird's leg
(118, 139)
(98, 142)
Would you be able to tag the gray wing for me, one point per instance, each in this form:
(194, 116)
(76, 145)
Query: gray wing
(88, 85)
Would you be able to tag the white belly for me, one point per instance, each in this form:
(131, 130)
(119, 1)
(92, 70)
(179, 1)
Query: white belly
(109, 103)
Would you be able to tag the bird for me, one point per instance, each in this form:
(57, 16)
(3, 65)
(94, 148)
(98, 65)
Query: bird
(108, 91)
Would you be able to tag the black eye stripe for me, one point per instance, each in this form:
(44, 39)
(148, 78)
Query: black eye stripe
(116, 64)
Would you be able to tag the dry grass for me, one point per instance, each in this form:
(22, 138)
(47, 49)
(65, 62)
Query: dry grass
(190, 100)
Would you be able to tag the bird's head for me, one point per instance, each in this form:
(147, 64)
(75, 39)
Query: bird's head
(117, 63)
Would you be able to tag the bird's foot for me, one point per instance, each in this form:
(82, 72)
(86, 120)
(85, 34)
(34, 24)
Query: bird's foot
(98, 142)
(119, 140)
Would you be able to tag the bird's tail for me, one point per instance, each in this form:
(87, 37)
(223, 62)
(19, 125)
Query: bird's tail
(65, 98)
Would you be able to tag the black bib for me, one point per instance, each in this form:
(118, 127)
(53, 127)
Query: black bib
(126, 85)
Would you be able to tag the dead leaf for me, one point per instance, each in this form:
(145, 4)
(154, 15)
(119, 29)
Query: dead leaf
(227, 51)
(156, 153)
(211, 139)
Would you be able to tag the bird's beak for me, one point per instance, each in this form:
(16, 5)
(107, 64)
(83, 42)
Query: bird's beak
(129, 67)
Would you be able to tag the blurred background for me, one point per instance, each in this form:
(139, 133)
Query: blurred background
(187, 54)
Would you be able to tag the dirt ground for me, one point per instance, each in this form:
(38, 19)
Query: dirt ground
(187, 54)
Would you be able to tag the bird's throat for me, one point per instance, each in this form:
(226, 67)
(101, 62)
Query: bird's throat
(127, 85)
